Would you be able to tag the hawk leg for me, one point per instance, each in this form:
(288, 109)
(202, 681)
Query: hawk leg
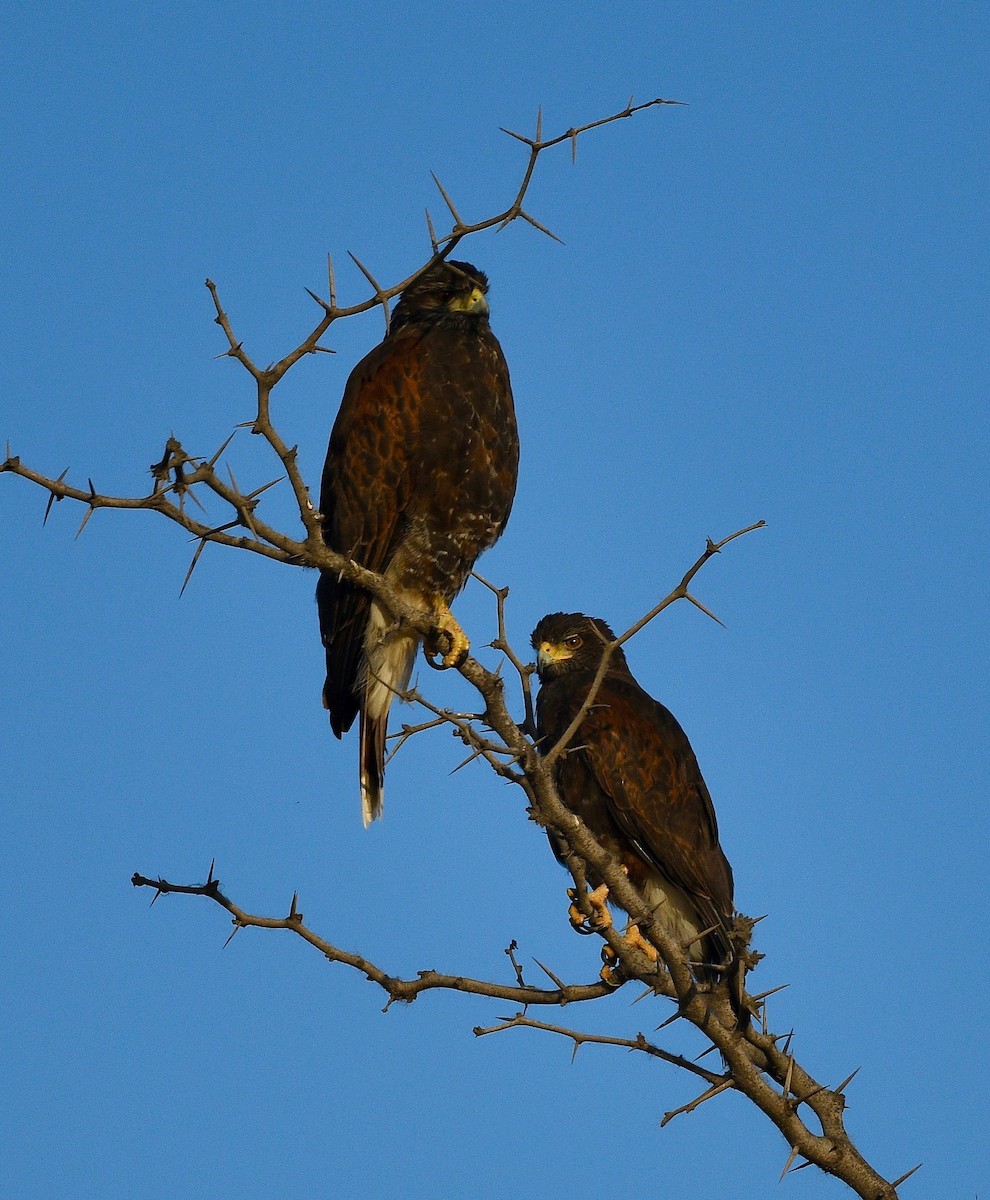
(452, 643)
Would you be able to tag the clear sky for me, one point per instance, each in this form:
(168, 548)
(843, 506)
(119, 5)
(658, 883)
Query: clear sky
(769, 304)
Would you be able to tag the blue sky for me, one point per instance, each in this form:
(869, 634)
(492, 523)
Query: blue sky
(769, 304)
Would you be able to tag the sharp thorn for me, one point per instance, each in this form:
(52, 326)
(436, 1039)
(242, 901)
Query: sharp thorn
(907, 1175)
(209, 877)
(365, 272)
(846, 1082)
(770, 992)
(322, 303)
(237, 926)
(265, 486)
(707, 611)
(787, 1165)
(687, 944)
(85, 519)
(787, 1077)
(447, 200)
(549, 232)
(48, 507)
(549, 974)
(518, 136)
(212, 462)
(192, 565)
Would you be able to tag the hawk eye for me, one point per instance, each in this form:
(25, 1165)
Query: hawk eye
(573, 641)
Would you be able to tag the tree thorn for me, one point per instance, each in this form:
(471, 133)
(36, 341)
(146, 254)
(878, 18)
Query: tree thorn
(846, 1082)
(549, 974)
(331, 282)
(763, 995)
(85, 520)
(211, 463)
(518, 136)
(706, 611)
(433, 233)
(907, 1175)
(458, 223)
(322, 303)
(192, 566)
(542, 228)
(787, 1165)
(51, 496)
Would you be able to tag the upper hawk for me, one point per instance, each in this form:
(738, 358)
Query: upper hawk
(631, 776)
(419, 480)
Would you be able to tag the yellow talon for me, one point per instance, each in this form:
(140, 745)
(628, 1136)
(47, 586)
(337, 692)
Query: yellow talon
(635, 938)
(448, 628)
(601, 918)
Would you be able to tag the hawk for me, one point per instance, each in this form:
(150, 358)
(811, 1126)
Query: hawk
(419, 480)
(631, 776)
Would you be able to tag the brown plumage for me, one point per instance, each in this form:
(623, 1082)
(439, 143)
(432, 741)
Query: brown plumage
(633, 779)
(419, 480)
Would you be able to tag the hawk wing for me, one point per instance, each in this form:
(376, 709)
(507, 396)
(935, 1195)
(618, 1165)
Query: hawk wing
(643, 763)
(423, 458)
(365, 489)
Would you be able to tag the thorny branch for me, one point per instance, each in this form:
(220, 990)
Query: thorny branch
(394, 987)
(179, 473)
(757, 1063)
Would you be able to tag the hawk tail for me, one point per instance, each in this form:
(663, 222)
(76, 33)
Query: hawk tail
(374, 730)
(388, 661)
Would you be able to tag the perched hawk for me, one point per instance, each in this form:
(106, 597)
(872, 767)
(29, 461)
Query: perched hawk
(632, 778)
(418, 481)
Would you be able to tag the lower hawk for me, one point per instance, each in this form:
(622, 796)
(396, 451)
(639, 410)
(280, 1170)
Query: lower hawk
(631, 776)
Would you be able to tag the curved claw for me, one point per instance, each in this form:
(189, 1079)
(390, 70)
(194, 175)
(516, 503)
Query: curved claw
(611, 973)
(451, 635)
(600, 917)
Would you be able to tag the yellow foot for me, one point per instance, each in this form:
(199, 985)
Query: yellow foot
(451, 643)
(612, 972)
(635, 938)
(601, 918)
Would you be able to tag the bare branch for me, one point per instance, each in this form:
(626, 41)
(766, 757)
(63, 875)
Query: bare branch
(396, 989)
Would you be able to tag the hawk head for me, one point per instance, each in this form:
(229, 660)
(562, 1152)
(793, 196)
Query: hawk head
(447, 287)
(571, 643)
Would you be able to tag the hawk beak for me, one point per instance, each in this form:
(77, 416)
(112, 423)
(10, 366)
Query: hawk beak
(547, 653)
(474, 302)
